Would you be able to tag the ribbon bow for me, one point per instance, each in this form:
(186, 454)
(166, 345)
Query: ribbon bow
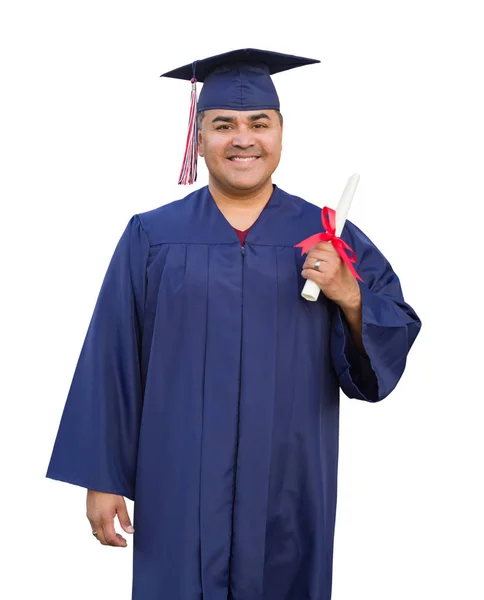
(328, 218)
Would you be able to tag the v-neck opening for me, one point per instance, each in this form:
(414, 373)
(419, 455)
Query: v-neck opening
(256, 224)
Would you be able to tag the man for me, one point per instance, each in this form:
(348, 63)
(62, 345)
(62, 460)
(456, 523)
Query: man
(207, 389)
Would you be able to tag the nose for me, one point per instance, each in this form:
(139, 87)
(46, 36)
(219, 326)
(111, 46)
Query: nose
(243, 138)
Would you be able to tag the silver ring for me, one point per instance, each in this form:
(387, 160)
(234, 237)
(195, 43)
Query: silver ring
(317, 264)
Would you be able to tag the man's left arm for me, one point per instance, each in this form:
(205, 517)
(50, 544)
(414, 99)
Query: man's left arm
(353, 317)
(373, 327)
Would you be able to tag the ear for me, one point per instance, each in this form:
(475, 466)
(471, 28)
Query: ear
(200, 143)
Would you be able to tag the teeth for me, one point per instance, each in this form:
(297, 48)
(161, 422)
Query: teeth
(243, 159)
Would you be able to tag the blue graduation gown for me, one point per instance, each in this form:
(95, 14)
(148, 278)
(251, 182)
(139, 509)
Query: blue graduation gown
(207, 390)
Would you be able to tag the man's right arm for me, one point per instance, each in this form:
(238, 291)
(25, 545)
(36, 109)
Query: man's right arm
(102, 508)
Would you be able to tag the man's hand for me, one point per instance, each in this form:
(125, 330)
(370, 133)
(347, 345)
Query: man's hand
(338, 284)
(333, 277)
(101, 510)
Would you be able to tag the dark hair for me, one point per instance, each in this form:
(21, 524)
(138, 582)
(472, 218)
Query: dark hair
(201, 114)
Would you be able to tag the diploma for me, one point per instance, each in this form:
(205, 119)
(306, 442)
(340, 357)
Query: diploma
(311, 289)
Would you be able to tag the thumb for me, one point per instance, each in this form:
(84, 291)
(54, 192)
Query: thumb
(124, 519)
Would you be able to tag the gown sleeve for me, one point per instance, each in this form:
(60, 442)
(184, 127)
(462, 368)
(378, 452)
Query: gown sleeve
(389, 327)
(97, 440)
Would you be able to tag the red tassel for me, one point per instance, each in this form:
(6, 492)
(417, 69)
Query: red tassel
(188, 173)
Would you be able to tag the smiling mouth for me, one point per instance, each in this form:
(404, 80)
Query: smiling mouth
(243, 159)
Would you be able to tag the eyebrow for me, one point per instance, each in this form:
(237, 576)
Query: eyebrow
(256, 117)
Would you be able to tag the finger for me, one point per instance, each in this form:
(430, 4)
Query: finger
(97, 532)
(324, 255)
(321, 246)
(311, 259)
(112, 538)
(312, 275)
(317, 264)
(324, 247)
(124, 519)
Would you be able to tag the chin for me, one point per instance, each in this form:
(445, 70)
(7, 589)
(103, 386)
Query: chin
(247, 183)
(244, 185)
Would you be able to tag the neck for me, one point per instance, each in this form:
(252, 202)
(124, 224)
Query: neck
(245, 200)
(241, 210)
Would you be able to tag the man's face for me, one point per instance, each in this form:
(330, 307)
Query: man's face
(241, 148)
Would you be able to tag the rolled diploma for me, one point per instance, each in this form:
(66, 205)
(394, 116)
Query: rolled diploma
(311, 289)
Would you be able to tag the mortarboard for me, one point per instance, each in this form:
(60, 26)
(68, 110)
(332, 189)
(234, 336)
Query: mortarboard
(235, 80)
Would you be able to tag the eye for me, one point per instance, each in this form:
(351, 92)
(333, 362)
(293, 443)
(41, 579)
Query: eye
(222, 127)
(260, 126)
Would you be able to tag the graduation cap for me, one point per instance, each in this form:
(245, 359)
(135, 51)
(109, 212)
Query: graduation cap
(235, 80)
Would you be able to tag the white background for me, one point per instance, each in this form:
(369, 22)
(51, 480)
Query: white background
(90, 135)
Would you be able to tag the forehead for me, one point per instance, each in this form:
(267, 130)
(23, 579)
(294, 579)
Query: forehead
(239, 115)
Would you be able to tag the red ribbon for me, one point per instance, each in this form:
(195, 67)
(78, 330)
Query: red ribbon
(328, 218)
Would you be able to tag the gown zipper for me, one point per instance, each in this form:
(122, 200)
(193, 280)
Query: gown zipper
(242, 251)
